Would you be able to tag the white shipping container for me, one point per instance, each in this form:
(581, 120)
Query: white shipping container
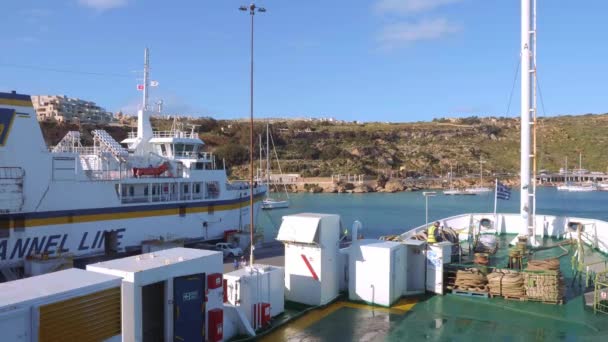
(377, 272)
(257, 284)
(21, 300)
(311, 257)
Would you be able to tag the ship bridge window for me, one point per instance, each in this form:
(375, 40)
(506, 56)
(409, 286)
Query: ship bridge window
(213, 190)
(184, 150)
(163, 150)
(186, 188)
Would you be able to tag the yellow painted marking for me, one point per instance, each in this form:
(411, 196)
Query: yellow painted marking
(37, 222)
(13, 102)
(297, 326)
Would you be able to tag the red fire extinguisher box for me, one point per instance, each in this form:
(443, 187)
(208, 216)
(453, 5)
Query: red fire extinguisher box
(265, 314)
(216, 325)
(214, 281)
(263, 310)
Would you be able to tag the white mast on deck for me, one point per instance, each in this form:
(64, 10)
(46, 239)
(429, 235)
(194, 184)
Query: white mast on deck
(144, 128)
(146, 79)
(528, 77)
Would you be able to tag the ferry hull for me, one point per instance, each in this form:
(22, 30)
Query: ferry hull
(82, 238)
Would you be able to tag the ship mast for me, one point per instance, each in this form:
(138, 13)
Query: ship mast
(144, 127)
(146, 79)
(528, 116)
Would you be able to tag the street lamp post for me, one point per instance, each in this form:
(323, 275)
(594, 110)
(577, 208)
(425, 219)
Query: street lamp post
(252, 8)
(426, 195)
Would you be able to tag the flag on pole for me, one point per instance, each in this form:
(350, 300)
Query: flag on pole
(153, 83)
(503, 192)
(140, 87)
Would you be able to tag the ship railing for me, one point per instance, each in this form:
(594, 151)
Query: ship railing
(11, 172)
(172, 134)
(237, 185)
(186, 155)
(160, 198)
(75, 149)
(206, 157)
(107, 175)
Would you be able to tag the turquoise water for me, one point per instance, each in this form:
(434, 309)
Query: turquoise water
(384, 214)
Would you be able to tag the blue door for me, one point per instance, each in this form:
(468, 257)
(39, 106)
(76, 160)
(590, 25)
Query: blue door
(189, 314)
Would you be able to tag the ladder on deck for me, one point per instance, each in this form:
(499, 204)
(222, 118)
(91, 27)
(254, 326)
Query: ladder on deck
(108, 144)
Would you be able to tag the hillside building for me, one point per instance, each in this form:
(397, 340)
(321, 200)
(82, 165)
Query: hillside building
(65, 109)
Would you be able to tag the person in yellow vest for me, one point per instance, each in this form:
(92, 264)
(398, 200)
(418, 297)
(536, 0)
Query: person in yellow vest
(431, 233)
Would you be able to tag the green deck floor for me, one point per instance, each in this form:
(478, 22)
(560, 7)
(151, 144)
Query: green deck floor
(457, 318)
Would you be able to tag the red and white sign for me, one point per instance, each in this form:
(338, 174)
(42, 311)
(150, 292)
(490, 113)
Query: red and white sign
(310, 269)
(140, 87)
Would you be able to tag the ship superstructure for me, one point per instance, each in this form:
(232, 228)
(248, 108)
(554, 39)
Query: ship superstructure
(155, 185)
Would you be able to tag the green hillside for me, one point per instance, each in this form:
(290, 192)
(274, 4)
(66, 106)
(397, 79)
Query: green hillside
(424, 148)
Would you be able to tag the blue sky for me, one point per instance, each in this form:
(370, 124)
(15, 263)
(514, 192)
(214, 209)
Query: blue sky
(368, 60)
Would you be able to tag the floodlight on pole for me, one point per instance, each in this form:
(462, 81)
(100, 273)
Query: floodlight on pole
(252, 8)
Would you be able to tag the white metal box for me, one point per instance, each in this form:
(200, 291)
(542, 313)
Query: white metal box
(257, 284)
(437, 255)
(311, 257)
(22, 301)
(161, 267)
(377, 271)
(415, 266)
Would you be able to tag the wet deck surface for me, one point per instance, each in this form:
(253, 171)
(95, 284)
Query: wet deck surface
(457, 318)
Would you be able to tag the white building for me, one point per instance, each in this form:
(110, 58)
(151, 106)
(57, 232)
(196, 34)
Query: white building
(62, 108)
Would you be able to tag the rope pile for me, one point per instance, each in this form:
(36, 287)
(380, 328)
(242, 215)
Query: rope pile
(543, 265)
(546, 282)
(487, 244)
(471, 279)
(506, 283)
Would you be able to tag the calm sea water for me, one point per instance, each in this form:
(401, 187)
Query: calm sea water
(383, 214)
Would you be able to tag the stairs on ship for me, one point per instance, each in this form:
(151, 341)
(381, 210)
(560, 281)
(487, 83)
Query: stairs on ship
(108, 144)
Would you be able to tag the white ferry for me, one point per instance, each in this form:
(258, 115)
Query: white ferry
(65, 199)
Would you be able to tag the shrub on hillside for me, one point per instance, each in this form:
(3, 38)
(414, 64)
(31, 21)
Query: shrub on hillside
(234, 154)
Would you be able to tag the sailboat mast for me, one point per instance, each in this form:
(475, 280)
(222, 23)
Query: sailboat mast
(527, 109)
(267, 156)
(480, 171)
(451, 177)
(260, 171)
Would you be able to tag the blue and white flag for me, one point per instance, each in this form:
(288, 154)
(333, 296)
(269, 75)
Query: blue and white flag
(503, 192)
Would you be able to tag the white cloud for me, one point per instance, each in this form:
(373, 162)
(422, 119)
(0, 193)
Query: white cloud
(410, 6)
(404, 33)
(102, 5)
